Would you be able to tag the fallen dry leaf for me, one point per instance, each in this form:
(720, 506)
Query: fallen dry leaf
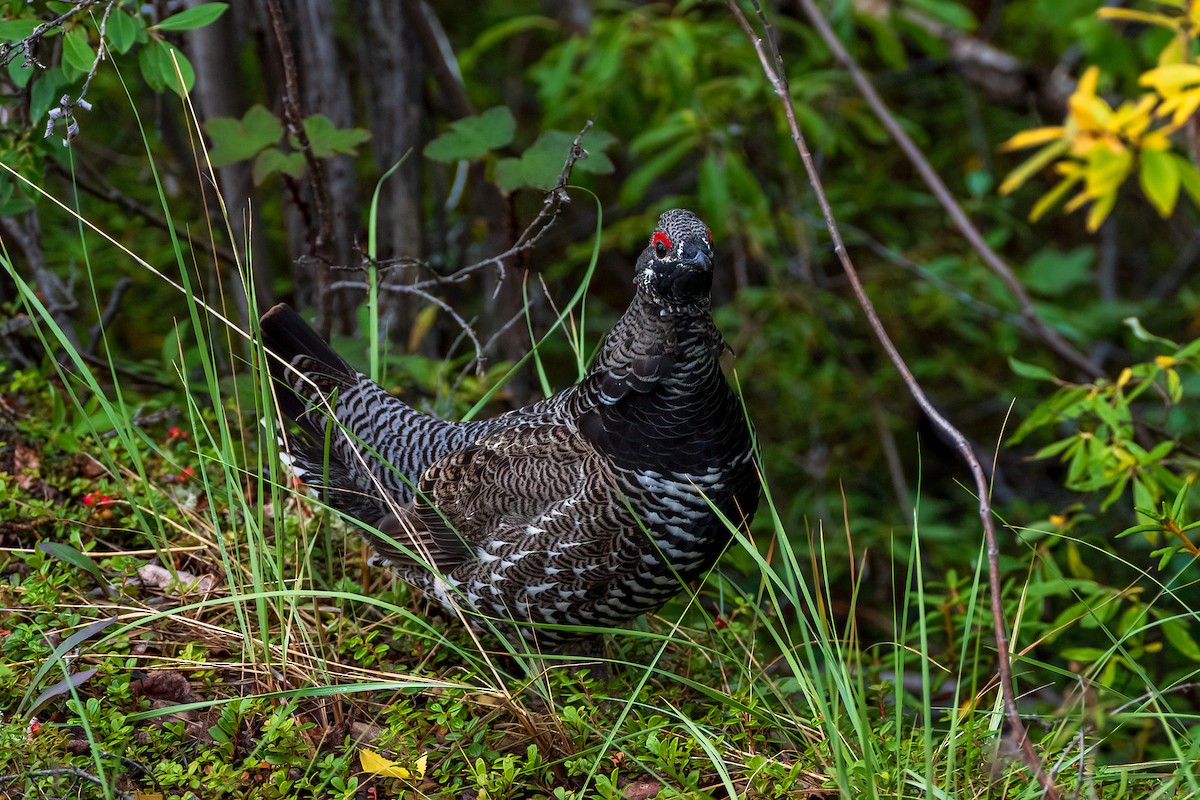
(27, 467)
(153, 576)
(165, 684)
(642, 789)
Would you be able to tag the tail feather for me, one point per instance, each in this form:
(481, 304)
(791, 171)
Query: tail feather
(309, 375)
(303, 361)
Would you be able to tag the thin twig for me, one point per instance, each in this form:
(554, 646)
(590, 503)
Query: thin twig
(64, 771)
(9, 51)
(109, 314)
(776, 75)
(293, 119)
(119, 199)
(533, 233)
(409, 288)
(1051, 337)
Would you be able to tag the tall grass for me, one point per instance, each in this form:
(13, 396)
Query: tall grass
(770, 691)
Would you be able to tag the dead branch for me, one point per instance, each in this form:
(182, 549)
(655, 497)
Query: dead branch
(773, 69)
(412, 289)
(530, 236)
(109, 314)
(26, 232)
(9, 50)
(95, 186)
(320, 238)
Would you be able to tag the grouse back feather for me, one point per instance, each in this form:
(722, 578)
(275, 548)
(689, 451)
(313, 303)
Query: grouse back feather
(587, 508)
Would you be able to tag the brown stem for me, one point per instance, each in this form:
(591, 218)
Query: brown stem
(320, 239)
(1051, 337)
(59, 297)
(776, 75)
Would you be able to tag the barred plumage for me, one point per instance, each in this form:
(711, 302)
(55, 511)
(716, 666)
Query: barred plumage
(588, 508)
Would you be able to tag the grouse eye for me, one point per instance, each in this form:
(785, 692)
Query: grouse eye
(709, 232)
(661, 243)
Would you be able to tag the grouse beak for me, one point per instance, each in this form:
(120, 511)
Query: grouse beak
(697, 259)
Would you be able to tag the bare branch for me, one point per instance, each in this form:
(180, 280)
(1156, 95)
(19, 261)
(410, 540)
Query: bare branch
(9, 50)
(26, 232)
(109, 314)
(413, 289)
(773, 69)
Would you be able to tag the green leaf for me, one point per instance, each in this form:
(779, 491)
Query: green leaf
(12, 200)
(14, 30)
(1053, 272)
(1026, 370)
(1174, 386)
(77, 55)
(1176, 632)
(1189, 176)
(271, 161)
(186, 73)
(510, 174)
(1160, 180)
(64, 552)
(20, 73)
(1084, 654)
(124, 30)
(157, 63)
(150, 64)
(326, 140)
(498, 33)
(951, 12)
(237, 140)
(474, 137)
(45, 93)
(194, 17)
(1054, 449)
(540, 165)
(888, 45)
(544, 160)
(639, 182)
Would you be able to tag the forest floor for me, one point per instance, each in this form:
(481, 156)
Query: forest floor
(174, 622)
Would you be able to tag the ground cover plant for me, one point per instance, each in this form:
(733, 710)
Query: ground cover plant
(456, 201)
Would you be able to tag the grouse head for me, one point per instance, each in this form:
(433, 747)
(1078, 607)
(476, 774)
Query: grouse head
(675, 270)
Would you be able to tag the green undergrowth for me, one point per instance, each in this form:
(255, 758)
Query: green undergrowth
(176, 617)
(175, 621)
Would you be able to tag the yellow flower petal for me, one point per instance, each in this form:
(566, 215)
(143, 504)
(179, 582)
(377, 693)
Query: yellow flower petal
(1171, 78)
(1033, 137)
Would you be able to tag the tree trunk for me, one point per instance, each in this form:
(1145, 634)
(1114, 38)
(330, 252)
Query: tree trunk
(215, 51)
(393, 65)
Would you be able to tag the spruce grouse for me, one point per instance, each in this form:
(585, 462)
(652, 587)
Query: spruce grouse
(587, 508)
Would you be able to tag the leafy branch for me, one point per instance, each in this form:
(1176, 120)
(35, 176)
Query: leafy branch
(774, 70)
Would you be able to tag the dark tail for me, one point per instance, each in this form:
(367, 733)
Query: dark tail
(301, 360)
(309, 373)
